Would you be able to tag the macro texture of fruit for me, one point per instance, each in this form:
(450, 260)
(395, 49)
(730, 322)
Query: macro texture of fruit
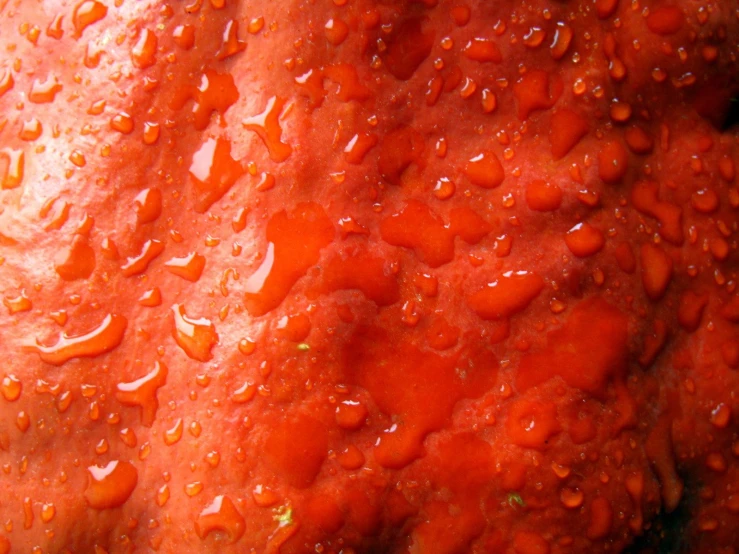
(369, 276)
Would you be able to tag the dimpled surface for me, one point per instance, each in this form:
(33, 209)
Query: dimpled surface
(422, 276)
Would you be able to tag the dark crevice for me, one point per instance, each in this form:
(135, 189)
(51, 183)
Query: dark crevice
(667, 534)
(732, 117)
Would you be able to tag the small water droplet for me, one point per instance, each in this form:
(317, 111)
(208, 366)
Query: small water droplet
(174, 433)
(11, 388)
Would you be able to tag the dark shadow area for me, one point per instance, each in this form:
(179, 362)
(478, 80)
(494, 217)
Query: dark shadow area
(732, 118)
(666, 535)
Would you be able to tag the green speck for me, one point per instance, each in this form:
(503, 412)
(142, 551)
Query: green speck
(515, 498)
(284, 516)
(304, 347)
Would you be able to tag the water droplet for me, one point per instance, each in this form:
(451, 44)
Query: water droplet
(17, 303)
(151, 132)
(195, 428)
(86, 13)
(138, 264)
(416, 226)
(43, 92)
(54, 30)
(657, 268)
(351, 415)
(358, 147)
(196, 337)
(216, 92)
(571, 498)
(213, 172)
(148, 205)
(184, 36)
(220, 515)
(561, 471)
(101, 447)
(613, 162)
(128, 437)
(267, 126)
(351, 458)
(247, 346)
(561, 41)
(11, 388)
(489, 101)
(264, 497)
(193, 489)
(444, 189)
(104, 338)
(534, 37)
(31, 130)
(482, 50)
(174, 433)
(584, 240)
(506, 296)
(144, 51)
(76, 262)
(485, 170)
(48, 511)
(294, 245)
(189, 267)
(12, 164)
(162, 495)
(244, 393)
(6, 81)
(64, 401)
(231, 44)
(255, 25)
(336, 31)
(23, 422)
(28, 516)
(620, 112)
(111, 485)
(143, 392)
(122, 122)
(151, 298)
(532, 424)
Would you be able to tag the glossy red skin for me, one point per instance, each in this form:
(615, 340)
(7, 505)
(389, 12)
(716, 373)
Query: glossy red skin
(619, 341)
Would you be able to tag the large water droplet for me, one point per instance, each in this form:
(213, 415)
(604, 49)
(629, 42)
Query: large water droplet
(104, 338)
(111, 485)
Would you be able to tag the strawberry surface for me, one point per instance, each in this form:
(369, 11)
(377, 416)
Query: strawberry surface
(353, 276)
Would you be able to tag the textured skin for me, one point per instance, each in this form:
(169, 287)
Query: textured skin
(353, 380)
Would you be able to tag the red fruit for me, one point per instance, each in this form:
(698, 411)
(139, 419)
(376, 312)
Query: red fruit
(358, 276)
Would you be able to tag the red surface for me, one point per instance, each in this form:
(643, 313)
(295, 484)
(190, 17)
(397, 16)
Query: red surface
(352, 276)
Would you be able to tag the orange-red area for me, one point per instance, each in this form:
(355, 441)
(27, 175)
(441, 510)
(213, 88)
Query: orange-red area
(362, 276)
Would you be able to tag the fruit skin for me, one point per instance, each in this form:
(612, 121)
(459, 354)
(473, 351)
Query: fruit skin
(393, 416)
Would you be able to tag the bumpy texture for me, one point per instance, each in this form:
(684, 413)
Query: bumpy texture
(351, 276)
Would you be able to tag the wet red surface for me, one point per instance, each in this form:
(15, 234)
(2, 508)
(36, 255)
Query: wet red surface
(420, 276)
